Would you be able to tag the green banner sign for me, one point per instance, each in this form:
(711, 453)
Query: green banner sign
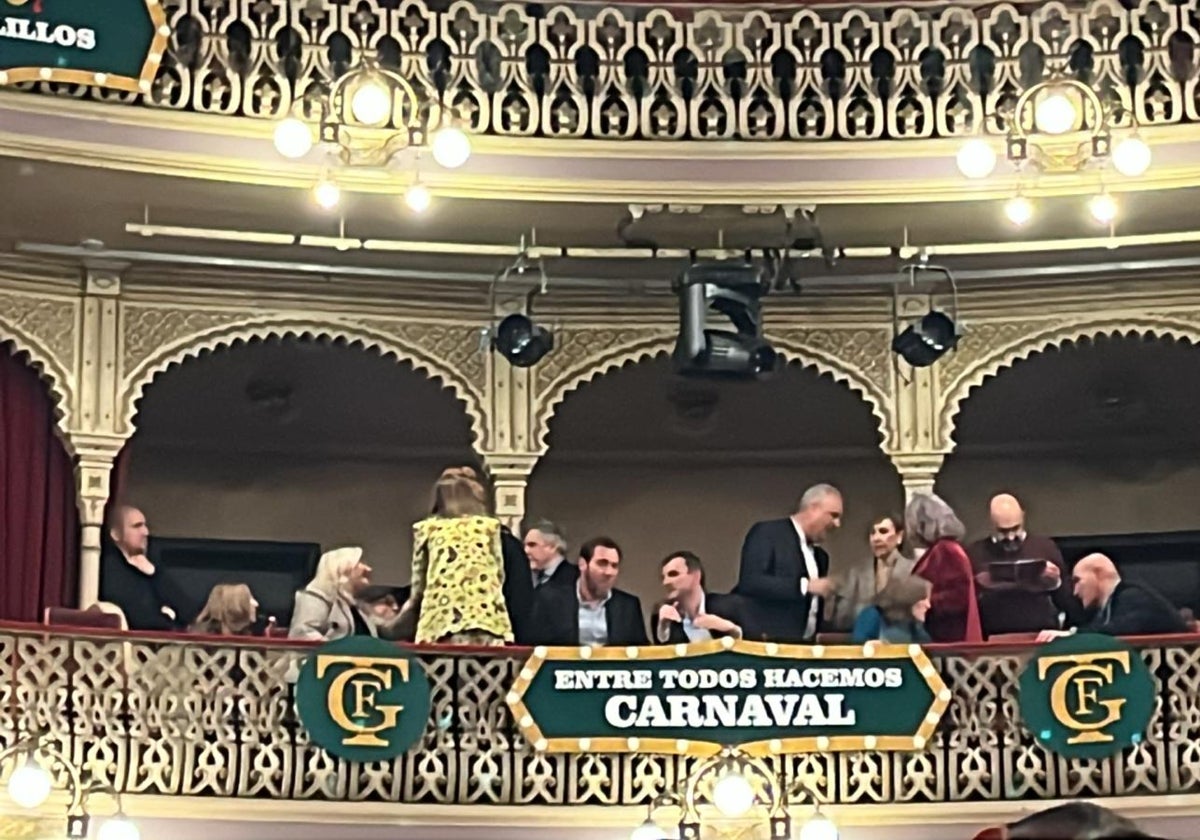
(1087, 696)
(695, 699)
(106, 43)
(363, 699)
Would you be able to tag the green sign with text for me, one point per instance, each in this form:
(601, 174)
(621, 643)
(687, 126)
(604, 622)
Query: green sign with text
(695, 699)
(114, 43)
(1087, 696)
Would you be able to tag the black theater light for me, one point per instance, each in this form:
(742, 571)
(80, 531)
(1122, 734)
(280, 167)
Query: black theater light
(521, 341)
(935, 333)
(732, 289)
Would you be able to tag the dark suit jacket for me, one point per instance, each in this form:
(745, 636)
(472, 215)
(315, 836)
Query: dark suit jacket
(1136, 610)
(518, 585)
(140, 596)
(772, 566)
(555, 620)
(565, 575)
(730, 607)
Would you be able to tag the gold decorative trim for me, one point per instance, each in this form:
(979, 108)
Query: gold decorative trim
(872, 651)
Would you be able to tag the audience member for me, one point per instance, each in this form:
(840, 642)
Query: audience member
(230, 611)
(1122, 608)
(327, 609)
(592, 611)
(458, 569)
(858, 587)
(129, 579)
(898, 614)
(1070, 821)
(690, 613)
(1020, 576)
(784, 570)
(932, 525)
(546, 549)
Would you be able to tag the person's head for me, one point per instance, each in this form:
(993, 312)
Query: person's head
(904, 598)
(599, 564)
(379, 602)
(1073, 821)
(467, 472)
(341, 571)
(128, 530)
(682, 573)
(819, 511)
(459, 495)
(887, 532)
(1095, 577)
(928, 519)
(545, 542)
(230, 611)
(1008, 522)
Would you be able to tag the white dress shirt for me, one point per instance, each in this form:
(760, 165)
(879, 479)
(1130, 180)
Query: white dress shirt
(593, 619)
(813, 572)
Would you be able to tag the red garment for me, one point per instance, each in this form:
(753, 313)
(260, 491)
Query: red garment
(954, 614)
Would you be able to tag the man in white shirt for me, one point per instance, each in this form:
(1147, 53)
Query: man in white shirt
(690, 614)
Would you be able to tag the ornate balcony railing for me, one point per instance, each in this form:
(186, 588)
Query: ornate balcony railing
(191, 717)
(716, 72)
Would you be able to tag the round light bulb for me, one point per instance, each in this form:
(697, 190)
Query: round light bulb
(327, 194)
(418, 198)
(371, 103)
(818, 827)
(451, 147)
(293, 138)
(1131, 156)
(733, 794)
(1019, 210)
(648, 831)
(1054, 113)
(30, 784)
(976, 158)
(1103, 208)
(118, 828)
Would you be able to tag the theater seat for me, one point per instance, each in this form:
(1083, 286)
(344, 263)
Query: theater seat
(92, 617)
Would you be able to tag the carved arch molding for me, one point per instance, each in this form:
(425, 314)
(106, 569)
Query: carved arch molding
(43, 330)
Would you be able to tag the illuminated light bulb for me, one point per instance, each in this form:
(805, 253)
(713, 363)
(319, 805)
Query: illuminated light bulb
(648, 831)
(1103, 208)
(327, 193)
(976, 158)
(1019, 210)
(733, 794)
(418, 198)
(1131, 156)
(451, 147)
(118, 828)
(1054, 113)
(293, 139)
(371, 103)
(30, 784)
(818, 827)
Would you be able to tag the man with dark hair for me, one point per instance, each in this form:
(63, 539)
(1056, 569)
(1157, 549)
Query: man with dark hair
(128, 578)
(1072, 821)
(593, 611)
(689, 613)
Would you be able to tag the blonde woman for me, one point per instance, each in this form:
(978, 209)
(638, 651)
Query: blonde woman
(231, 611)
(458, 568)
(327, 608)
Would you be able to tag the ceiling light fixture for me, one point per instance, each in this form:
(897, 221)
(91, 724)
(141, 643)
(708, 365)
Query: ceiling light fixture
(731, 288)
(326, 193)
(517, 338)
(418, 198)
(1103, 208)
(1019, 210)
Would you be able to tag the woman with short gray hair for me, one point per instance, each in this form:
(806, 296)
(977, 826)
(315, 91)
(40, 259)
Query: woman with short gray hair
(931, 524)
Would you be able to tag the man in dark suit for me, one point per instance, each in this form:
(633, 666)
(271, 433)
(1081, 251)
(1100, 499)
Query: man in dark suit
(689, 613)
(546, 552)
(1122, 608)
(592, 612)
(784, 570)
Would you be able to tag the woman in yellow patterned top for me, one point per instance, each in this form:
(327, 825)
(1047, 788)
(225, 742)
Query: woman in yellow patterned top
(458, 569)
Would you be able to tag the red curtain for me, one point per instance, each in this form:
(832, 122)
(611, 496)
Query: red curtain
(39, 540)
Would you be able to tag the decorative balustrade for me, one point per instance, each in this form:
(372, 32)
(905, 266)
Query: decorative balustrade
(198, 718)
(716, 72)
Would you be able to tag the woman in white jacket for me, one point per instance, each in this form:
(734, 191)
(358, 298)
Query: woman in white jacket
(327, 609)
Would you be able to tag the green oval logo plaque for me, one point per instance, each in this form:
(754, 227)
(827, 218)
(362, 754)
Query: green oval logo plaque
(363, 699)
(1087, 696)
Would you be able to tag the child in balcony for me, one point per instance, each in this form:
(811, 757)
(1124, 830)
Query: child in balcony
(231, 611)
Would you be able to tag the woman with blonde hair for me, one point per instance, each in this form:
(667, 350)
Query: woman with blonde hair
(231, 611)
(458, 568)
(327, 608)
(932, 525)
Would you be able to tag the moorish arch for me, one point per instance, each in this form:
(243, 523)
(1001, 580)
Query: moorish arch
(1096, 435)
(662, 462)
(469, 390)
(53, 372)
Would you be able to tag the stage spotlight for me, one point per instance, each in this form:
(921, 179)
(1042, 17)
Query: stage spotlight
(733, 289)
(926, 341)
(521, 341)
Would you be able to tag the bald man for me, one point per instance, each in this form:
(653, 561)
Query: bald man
(1122, 608)
(1019, 597)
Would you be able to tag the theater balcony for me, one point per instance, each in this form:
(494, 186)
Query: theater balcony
(200, 736)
